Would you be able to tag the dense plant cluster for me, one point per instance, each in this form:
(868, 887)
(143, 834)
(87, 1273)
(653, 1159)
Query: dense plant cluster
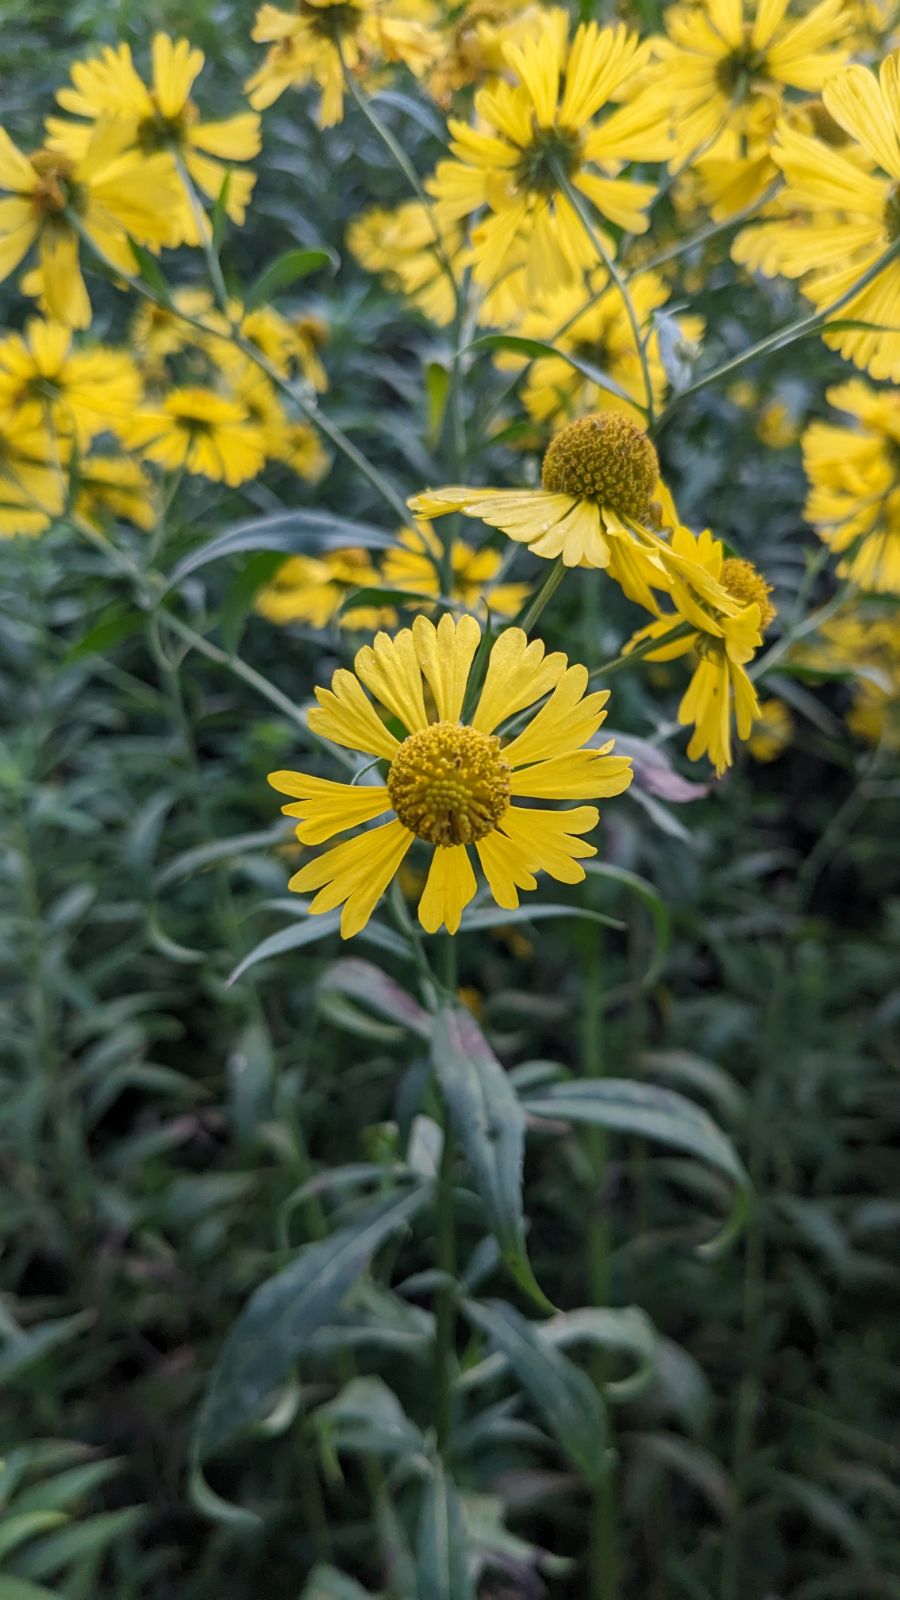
(482, 424)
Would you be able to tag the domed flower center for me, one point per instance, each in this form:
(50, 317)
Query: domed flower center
(330, 19)
(159, 132)
(748, 586)
(737, 70)
(606, 458)
(551, 151)
(55, 187)
(449, 784)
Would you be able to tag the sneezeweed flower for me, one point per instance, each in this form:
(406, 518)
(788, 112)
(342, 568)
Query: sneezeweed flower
(863, 643)
(598, 498)
(544, 126)
(843, 218)
(412, 251)
(453, 784)
(312, 590)
(33, 477)
(719, 55)
(201, 431)
(162, 119)
(74, 392)
(317, 41)
(107, 193)
(472, 44)
(414, 564)
(772, 731)
(601, 334)
(854, 484)
(114, 488)
(724, 643)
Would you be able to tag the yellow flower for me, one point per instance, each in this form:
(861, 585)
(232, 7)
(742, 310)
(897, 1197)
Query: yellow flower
(600, 481)
(414, 564)
(158, 332)
(724, 644)
(114, 486)
(842, 218)
(539, 124)
(199, 430)
(453, 783)
(771, 732)
(854, 484)
(776, 425)
(84, 392)
(472, 44)
(600, 334)
(408, 247)
(161, 119)
(312, 589)
(33, 480)
(719, 54)
(862, 642)
(306, 46)
(107, 193)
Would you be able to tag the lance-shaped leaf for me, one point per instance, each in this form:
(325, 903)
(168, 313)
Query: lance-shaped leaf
(571, 1407)
(489, 1122)
(651, 1113)
(292, 532)
(281, 1317)
(443, 1566)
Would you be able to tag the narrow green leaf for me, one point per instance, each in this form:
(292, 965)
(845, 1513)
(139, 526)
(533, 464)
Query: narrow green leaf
(310, 932)
(443, 1563)
(90, 1537)
(212, 1505)
(150, 271)
(290, 531)
(651, 1113)
(242, 592)
(113, 627)
(220, 214)
(570, 1405)
(26, 1349)
(437, 391)
(624, 1329)
(374, 596)
(489, 1123)
(533, 348)
(20, 1589)
(326, 1583)
(286, 269)
(362, 981)
(281, 1317)
(496, 917)
(19, 1526)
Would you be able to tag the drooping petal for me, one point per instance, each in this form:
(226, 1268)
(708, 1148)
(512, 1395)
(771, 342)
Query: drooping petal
(346, 716)
(445, 655)
(450, 886)
(501, 862)
(518, 674)
(355, 874)
(548, 841)
(327, 808)
(390, 669)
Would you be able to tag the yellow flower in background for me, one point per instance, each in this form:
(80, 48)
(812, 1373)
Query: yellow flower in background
(843, 218)
(719, 54)
(306, 46)
(106, 193)
(854, 484)
(451, 783)
(772, 731)
(45, 381)
(602, 335)
(414, 564)
(161, 119)
(412, 251)
(472, 44)
(541, 123)
(159, 331)
(862, 642)
(114, 487)
(598, 497)
(201, 431)
(312, 589)
(776, 425)
(33, 477)
(723, 643)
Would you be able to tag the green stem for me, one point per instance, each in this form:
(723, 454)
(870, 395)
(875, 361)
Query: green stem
(445, 1304)
(607, 668)
(672, 252)
(575, 200)
(532, 610)
(812, 323)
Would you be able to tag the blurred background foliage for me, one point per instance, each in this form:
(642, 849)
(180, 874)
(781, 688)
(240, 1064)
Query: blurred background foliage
(167, 1139)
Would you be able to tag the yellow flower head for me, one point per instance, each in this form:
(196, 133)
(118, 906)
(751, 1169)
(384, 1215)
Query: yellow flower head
(312, 589)
(598, 498)
(414, 564)
(843, 215)
(724, 627)
(542, 125)
(472, 44)
(80, 392)
(450, 783)
(862, 642)
(854, 484)
(314, 44)
(201, 431)
(412, 252)
(161, 119)
(106, 193)
(33, 479)
(721, 54)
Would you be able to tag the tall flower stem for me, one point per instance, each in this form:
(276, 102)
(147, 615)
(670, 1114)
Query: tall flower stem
(445, 1306)
(530, 613)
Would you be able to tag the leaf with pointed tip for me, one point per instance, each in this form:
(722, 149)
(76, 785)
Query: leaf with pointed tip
(443, 1565)
(293, 532)
(285, 270)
